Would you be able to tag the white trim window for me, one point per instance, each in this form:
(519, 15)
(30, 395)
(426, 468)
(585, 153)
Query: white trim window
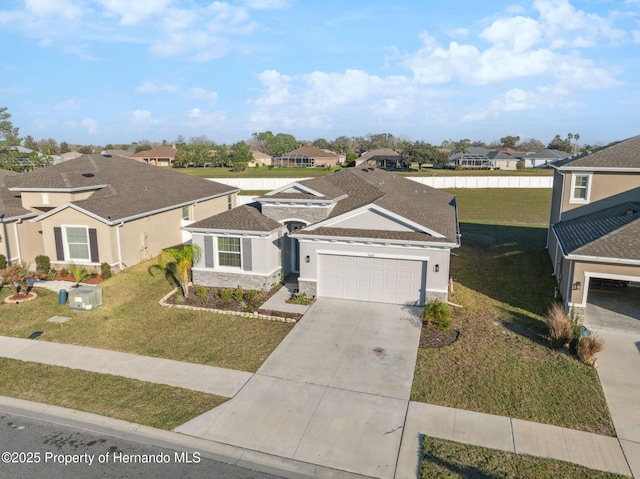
(580, 188)
(229, 252)
(76, 240)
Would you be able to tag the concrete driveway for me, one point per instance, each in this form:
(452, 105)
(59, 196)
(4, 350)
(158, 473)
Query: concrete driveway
(618, 365)
(334, 393)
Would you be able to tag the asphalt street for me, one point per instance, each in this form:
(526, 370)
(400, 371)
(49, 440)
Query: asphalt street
(36, 448)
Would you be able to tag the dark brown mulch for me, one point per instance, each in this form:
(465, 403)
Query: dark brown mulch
(213, 300)
(432, 337)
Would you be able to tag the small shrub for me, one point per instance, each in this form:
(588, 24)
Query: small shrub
(43, 264)
(105, 271)
(179, 298)
(588, 347)
(238, 294)
(299, 298)
(201, 291)
(250, 295)
(520, 165)
(559, 325)
(78, 272)
(3, 261)
(438, 314)
(239, 166)
(64, 272)
(226, 293)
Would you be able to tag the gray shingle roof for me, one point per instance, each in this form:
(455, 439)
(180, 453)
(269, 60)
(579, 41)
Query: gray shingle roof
(431, 208)
(610, 233)
(624, 154)
(124, 187)
(242, 218)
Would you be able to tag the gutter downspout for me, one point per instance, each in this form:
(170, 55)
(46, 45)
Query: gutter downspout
(15, 228)
(120, 265)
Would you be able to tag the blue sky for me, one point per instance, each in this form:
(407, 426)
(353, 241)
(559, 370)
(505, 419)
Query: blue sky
(118, 71)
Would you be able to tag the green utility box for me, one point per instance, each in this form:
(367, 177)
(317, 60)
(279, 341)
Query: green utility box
(85, 298)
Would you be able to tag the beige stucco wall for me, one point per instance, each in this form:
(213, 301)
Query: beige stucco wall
(583, 271)
(606, 189)
(28, 235)
(39, 201)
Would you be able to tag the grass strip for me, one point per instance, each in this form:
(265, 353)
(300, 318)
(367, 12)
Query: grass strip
(140, 402)
(442, 459)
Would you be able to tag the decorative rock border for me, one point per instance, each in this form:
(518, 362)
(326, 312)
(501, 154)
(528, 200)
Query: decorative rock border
(30, 295)
(163, 302)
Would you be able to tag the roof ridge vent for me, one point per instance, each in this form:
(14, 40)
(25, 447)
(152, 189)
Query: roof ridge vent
(630, 212)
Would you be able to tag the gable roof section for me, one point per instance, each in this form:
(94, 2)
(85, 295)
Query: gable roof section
(312, 189)
(612, 233)
(433, 210)
(10, 202)
(245, 219)
(164, 151)
(624, 155)
(125, 189)
(387, 152)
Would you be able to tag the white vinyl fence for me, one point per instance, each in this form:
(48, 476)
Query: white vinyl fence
(268, 184)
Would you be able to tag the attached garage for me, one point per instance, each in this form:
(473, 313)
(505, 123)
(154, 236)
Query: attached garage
(364, 278)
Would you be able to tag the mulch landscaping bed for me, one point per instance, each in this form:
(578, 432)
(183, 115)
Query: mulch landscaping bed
(432, 337)
(251, 301)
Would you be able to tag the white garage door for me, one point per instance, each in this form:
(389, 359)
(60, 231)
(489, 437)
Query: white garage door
(371, 279)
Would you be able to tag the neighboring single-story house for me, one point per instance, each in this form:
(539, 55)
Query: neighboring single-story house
(160, 156)
(594, 227)
(308, 157)
(502, 160)
(97, 209)
(382, 158)
(542, 158)
(260, 159)
(359, 233)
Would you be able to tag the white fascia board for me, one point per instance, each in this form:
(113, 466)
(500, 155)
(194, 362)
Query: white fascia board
(16, 218)
(78, 189)
(599, 169)
(299, 201)
(373, 241)
(372, 207)
(74, 207)
(601, 259)
(297, 185)
(243, 233)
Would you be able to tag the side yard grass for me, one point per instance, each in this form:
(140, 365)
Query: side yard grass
(502, 363)
(132, 321)
(442, 459)
(139, 402)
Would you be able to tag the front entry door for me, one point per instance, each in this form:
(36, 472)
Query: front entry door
(292, 249)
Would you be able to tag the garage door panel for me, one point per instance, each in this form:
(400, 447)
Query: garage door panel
(371, 279)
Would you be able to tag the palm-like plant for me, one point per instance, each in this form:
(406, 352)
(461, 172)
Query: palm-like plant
(176, 264)
(78, 272)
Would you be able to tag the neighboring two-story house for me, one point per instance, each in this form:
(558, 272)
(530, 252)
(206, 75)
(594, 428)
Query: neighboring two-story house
(359, 233)
(96, 209)
(594, 233)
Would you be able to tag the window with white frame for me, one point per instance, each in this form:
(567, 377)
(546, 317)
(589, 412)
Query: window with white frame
(186, 214)
(580, 185)
(77, 242)
(229, 252)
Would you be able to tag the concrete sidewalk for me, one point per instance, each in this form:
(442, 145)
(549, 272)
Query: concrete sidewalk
(512, 435)
(197, 377)
(278, 302)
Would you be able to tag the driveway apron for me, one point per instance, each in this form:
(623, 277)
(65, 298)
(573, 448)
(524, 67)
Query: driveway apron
(334, 393)
(618, 366)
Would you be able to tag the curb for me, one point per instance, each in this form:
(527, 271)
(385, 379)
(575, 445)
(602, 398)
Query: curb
(217, 451)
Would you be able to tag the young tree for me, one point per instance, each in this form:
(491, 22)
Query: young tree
(176, 264)
(509, 141)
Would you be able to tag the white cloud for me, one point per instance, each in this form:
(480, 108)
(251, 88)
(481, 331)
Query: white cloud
(67, 9)
(199, 118)
(267, 4)
(132, 12)
(142, 117)
(90, 125)
(473, 117)
(517, 34)
(150, 87)
(197, 93)
(516, 99)
(459, 32)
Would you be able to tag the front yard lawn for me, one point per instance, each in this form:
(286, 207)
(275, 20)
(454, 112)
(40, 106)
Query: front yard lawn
(502, 363)
(447, 459)
(132, 321)
(140, 402)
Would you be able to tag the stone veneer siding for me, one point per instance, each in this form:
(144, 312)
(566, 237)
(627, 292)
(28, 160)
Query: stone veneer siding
(310, 214)
(233, 280)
